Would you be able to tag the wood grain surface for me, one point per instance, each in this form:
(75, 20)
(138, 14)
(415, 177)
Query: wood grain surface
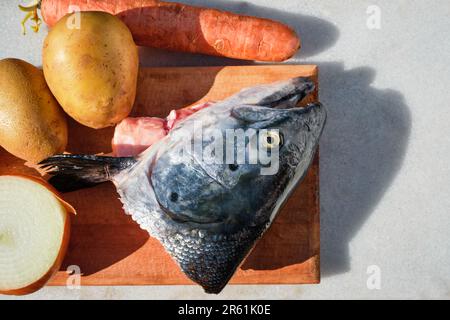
(111, 249)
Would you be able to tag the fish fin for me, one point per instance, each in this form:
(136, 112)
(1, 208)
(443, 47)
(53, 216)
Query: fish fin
(71, 172)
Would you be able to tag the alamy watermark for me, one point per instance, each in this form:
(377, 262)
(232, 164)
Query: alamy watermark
(74, 279)
(373, 21)
(232, 146)
(74, 20)
(374, 277)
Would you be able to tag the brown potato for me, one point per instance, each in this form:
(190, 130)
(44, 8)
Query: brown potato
(32, 124)
(92, 70)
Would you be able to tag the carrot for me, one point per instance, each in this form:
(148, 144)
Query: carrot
(181, 27)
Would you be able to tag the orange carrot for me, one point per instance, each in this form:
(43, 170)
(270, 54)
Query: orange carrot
(181, 27)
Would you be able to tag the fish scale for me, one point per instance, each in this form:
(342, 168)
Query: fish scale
(215, 259)
(206, 260)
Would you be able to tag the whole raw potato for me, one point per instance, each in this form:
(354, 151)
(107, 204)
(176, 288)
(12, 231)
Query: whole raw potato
(91, 67)
(32, 124)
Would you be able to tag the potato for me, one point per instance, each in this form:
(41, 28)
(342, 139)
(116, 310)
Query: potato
(92, 70)
(32, 124)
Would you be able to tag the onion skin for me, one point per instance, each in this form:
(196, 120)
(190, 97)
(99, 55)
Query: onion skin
(35, 286)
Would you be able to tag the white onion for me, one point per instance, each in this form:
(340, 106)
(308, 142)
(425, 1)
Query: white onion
(34, 229)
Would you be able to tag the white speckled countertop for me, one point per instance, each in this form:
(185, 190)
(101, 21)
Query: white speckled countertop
(385, 153)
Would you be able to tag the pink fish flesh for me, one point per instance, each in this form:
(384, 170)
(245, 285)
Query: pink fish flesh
(134, 135)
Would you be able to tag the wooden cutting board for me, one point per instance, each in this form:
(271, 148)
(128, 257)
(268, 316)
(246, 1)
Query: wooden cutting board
(111, 249)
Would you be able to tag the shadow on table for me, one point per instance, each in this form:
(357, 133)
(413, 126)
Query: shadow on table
(361, 151)
(316, 34)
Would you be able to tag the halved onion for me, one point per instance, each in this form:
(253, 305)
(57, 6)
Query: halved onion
(34, 233)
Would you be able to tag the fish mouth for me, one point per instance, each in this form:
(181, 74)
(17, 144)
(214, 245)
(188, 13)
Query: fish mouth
(297, 89)
(287, 102)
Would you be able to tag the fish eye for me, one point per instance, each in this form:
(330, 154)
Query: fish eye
(272, 139)
(174, 197)
(233, 167)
